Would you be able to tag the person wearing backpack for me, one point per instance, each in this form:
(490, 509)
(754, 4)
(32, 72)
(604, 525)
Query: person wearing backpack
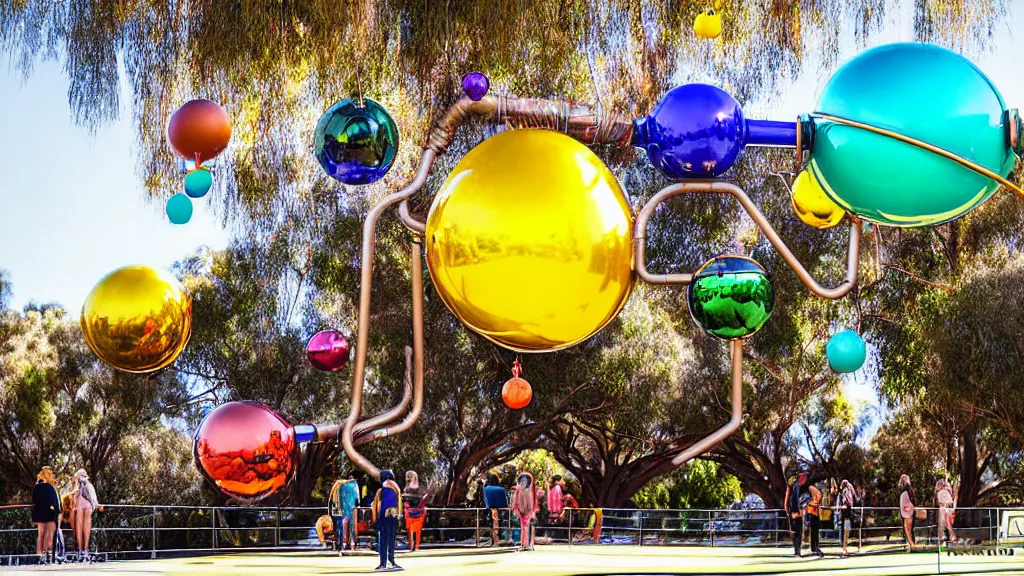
(386, 509)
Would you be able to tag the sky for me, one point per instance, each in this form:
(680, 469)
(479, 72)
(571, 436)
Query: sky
(72, 205)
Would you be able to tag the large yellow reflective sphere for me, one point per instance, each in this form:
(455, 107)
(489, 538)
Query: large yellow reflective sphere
(812, 205)
(529, 241)
(137, 319)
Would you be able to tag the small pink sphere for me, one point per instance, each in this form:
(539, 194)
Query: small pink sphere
(328, 351)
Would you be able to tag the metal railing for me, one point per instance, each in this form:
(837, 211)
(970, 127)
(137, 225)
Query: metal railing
(131, 531)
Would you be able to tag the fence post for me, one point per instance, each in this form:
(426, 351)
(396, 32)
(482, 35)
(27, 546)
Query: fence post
(213, 525)
(711, 520)
(477, 527)
(277, 527)
(152, 552)
(570, 525)
(640, 515)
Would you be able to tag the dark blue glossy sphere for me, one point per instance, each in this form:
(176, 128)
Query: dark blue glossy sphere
(356, 144)
(696, 131)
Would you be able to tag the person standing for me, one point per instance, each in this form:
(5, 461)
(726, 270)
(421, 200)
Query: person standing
(85, 503)
(524, 504)
(845, 514)
(495, 499)
(555, 504)
(386, 509)
(814, 518)
(414, 500)
(907, 510)
(344, 499)
(946, 505)
(794, 512)
(45, 513)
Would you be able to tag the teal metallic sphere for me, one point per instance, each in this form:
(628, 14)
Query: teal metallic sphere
(924, 92)
(730, 297)
(846, 351)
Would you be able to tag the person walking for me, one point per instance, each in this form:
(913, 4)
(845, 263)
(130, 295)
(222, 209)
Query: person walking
(946, 503)
(814, 518)
(45, 513)
(386, 509)
(414, 500)
(344, 499)
(85, 503)
(794, 512)
(525, 506)
(844, 516)
(907, 510)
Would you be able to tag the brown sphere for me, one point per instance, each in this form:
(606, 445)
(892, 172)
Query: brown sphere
(199, 130)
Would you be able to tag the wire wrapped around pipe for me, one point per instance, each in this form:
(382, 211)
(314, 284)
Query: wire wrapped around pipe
(581, 121)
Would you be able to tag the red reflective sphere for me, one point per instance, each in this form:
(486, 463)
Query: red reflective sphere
(199, 130)
(246, 450)
(516, 393)
(327, 350)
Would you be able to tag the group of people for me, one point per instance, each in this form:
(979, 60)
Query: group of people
(530, 503)
(50, 510)
(390, 503)
(805, 506)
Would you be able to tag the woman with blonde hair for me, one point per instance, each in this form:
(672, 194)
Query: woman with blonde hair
(907, 509)
(85, 504)
(414, 502)
(946, 506)
(45, 511)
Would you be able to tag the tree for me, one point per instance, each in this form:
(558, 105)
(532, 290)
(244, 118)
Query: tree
(701, 484)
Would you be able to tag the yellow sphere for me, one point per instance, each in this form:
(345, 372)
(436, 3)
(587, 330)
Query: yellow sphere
(812, 205)
(708, 25)
(529, 241)
(137, 319)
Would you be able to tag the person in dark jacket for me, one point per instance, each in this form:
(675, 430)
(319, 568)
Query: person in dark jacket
(45, 511)
(794, 510)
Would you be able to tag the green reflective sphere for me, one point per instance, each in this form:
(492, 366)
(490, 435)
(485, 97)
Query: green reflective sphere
(924, 92)
(356, 144)
(730, 297)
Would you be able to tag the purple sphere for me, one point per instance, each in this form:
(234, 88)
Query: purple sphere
(327, 351)
(696, 131)
(475, 85)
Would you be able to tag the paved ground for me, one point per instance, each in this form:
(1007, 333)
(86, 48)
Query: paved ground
(560, 560)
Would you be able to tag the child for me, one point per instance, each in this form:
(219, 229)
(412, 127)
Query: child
(387, 508)
(524, 504)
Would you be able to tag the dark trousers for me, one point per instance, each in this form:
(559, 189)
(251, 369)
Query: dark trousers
(387, 530)
(815, 527)
(796, 525)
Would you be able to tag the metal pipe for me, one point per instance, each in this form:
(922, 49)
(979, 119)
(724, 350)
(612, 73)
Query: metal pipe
(712, 440)
(416, 353)
(363, 328)
(772, 133)
(713, 187)
(415, 226)
(925, 146)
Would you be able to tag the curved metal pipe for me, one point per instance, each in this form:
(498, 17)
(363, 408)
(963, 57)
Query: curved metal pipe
(416, 353)
(640, 237)
(712, 440)
(363, 329)
(414, 225)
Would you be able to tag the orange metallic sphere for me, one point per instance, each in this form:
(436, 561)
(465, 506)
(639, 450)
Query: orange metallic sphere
(199, 130)
(246, 450)
(516, 393)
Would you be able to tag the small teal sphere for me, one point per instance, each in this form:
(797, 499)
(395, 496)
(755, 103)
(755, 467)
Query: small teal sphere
(846, 351)
(179, 209)
(356, 144)
(198, 182)
(924, 92)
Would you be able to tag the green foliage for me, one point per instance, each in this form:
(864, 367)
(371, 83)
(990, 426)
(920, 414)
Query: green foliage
(700, 484)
